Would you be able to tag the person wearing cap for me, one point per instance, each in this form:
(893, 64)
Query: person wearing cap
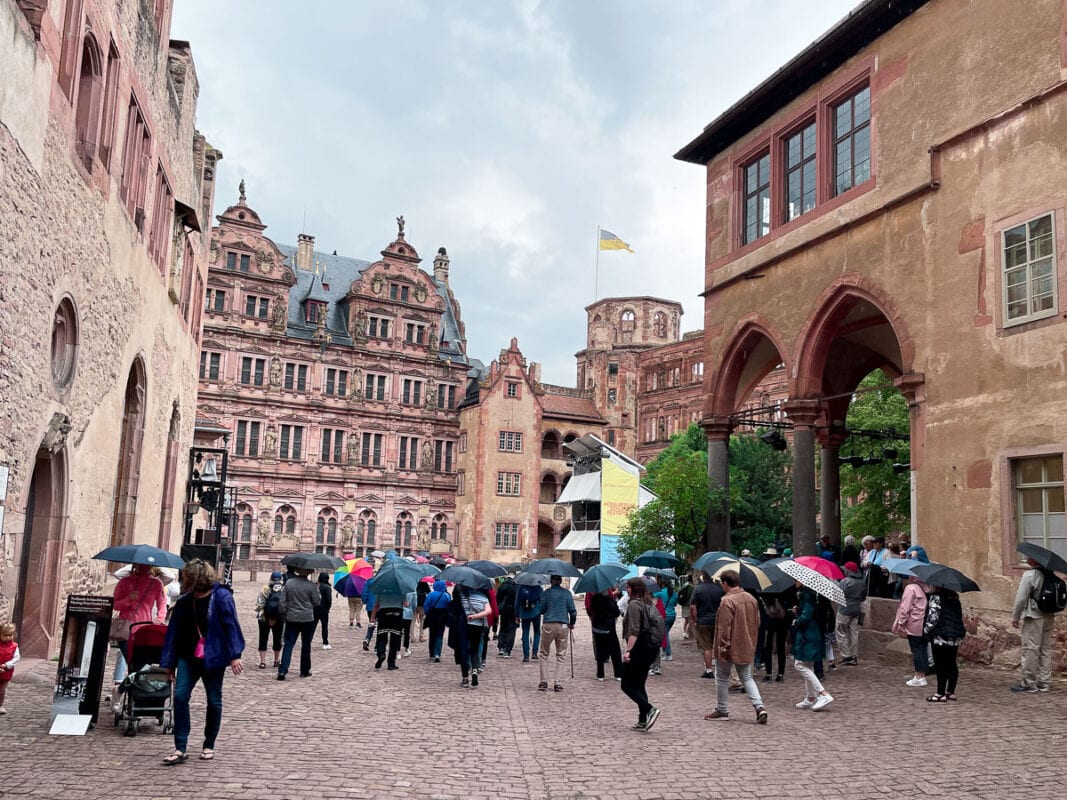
(746, 553)
(848, 619)
(787, 553)
(270, 620)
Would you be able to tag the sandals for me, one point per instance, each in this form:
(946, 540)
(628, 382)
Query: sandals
(262, 666)
(177, 757)
(951, 697)
(937, 698)
(207, 755)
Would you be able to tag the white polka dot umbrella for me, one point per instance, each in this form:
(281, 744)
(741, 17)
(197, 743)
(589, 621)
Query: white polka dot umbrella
(819, 584)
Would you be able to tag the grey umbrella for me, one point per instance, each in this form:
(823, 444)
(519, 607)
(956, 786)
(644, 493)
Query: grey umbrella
(312, 561)
(1043, 556)
(532, 579)
(466, 576)
(554, 566)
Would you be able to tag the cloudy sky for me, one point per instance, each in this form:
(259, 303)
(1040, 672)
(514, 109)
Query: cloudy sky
(503, 131)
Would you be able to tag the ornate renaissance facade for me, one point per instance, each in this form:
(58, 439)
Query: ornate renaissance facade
(104, 184)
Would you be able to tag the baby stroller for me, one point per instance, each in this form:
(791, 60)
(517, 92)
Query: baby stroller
(146, 692)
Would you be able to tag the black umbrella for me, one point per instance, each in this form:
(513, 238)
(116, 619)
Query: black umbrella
(140, 554)
(657, 572)
(515, 567)
(658, 558)
(532, 579)
(312, 561)
(945, 577)
(466, 576)
(780, 582)
(554, 566)
(1046, 558)
(488, 568)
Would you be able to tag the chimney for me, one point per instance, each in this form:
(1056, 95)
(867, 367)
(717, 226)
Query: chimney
(305, 251)
(535, 372)
(440, 266)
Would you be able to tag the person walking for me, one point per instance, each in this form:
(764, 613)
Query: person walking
(528, 609)
(642, 643)
(736, 630)
(779, 621)
(911, 611)
(300, 598)
(559, 615)
(808, 645)
(269, 619)
(943, 628)
(422, 591)
(702, 610)
(139, 597)
(467, 616)
(322, 611)
(387, 618)
(203, 639)
(1036, 666)
(435, 608)
(669, 597)
(411, 602)
(355, 611)
(603, 611)
(848, 620)
(368, 599)
(506, 593)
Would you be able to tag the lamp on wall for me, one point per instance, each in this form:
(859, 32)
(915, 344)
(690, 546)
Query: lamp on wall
(774, 438)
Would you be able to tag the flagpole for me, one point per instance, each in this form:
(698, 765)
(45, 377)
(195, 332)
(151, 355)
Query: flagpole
(596, 274)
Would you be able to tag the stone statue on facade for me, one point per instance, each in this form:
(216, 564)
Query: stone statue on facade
(400, 225)
(431, 345)
(278, 313)
(270, 441)
(56, 435)
(431, 393)
(241, 190)
(263, 538)
(275, 372)
(359, 327)
(353, 448)
(355, 392)
(346, 535)
(427, 457)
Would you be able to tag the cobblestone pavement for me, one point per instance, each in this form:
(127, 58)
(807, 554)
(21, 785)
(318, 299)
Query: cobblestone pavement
(353, 732)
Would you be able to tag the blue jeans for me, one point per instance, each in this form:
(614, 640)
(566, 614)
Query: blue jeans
(191, 670)
(535, 623)
(670, 624)
(437, 636)
(305, 630)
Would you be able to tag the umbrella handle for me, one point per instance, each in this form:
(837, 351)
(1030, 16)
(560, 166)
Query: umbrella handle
(570, 631)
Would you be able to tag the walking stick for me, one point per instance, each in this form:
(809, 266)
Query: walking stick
(570, 630)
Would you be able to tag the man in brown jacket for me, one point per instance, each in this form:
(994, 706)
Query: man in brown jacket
(736, 628)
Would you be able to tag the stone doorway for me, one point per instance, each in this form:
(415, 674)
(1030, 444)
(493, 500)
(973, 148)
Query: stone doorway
(41, 555)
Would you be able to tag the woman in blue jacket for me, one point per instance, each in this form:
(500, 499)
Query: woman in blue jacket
(203, 639)
(808, 646)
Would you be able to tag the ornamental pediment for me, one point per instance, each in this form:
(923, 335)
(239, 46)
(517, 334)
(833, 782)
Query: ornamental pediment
(368, 498)
(210, 410)
(255, 348)
(285, 492)
(409, 500)
(442, 502)
(251, 411)
(335, 423)
(213, 344)
(419, 317)
(331, 496)
(248, 491)
(293, 418)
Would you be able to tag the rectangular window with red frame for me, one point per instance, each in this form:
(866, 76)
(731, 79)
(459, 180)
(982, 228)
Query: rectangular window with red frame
(756, 210)
(850, 122)
(801, 180)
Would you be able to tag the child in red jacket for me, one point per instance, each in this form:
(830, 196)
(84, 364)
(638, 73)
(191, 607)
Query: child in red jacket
(9, 657)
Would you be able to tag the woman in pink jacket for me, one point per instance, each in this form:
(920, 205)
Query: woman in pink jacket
(909, 623)
(139, 597)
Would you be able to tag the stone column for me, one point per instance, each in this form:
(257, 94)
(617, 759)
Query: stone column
(830, 442)
(803, 413)
(717, 533)
(913, 386)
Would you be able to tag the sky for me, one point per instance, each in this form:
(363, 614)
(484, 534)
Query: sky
(506, 131)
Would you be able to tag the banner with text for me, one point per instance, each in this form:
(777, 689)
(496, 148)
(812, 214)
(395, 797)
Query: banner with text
(618, 497)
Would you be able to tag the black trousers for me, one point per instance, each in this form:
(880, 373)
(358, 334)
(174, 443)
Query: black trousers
(777, 633)
(605, 647)
(505, 638)
(634, 675)
(274, 632)
(322, 617)
(947, 668)
(387, 643)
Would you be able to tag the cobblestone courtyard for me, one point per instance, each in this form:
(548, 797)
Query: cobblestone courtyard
(353, 732)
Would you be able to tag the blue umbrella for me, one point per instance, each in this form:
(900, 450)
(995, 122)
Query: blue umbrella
(658, 558)
(554, 566)
(657, 572)
(900, 566)
(140, 554)
(708, 558)
(780, 582)
(396, 577)
(600, 578)
(390, 555)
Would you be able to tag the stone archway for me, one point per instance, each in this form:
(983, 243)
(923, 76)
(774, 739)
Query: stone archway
(41, 554)
(127, 480)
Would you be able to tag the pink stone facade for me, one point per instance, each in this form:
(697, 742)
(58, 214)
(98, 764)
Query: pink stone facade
(105, 184)
(339, 381)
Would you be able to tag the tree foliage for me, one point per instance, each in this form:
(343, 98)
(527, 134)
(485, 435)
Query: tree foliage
(761, 495)
(875, 499)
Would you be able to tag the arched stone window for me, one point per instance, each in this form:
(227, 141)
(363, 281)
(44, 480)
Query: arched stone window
(659, 324)
(64, 343)
(244, 521)
(365, 532)
(326, 531)
(550, 447)
(439, 527)
(90, 92)
(549, 488)
(627, 321)
(124, 510)
(404, 524)
(285, 521)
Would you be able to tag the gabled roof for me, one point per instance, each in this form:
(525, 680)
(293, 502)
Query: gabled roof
(581, 408)
(862, 26)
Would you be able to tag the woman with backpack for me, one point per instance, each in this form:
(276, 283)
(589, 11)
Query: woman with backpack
(943, 628)
(642, 629)
(528, 609)
(269, 619)
(435, 609)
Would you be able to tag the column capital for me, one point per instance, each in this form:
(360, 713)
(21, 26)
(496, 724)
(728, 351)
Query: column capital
(717, 428)
(832, 437)
(913, 386)
(802, 413)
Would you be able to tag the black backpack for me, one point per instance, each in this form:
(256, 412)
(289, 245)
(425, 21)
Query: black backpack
(272, 609)
(654, 630)
(1052, 596)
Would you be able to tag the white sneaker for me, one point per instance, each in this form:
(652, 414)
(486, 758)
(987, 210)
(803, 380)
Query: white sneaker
(917, 682)
(2, 710)
(806, 703)
(327, 647)
(407, 653)
(821, 702)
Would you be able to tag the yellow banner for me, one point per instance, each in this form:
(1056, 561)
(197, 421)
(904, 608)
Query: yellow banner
(618, 497)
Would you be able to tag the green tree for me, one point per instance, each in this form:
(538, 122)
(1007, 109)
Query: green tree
(761, 496)
(881, 497)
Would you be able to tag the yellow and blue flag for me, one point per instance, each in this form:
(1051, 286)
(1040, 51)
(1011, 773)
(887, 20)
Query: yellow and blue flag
(609, 241)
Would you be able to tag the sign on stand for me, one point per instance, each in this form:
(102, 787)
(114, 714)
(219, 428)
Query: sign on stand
(82, 661)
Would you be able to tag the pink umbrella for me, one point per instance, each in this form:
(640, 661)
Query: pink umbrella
(825, 568)
(422, 560)
(431, 578)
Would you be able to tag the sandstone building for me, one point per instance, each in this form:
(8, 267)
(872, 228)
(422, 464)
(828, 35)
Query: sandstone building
(104, 185)
(339, 381)
(894, 197)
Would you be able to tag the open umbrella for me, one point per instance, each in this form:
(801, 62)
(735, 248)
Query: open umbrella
(710, 557)
(515, 567)
(396, 577)
(348, 585)
(780, 582)
(945, 577)
(1043, 556)
(650, 584)
(419, 559)
(312, 561)
(658, 558)
(554, 566)
(657, 572)
(140, 554)
(532, 578)
(822, 566)
(751, 577)
(600, 578)
(466, 576)
(900, 566)
(378, 553)
(815, 581)
(489, 569)
(391, 554)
